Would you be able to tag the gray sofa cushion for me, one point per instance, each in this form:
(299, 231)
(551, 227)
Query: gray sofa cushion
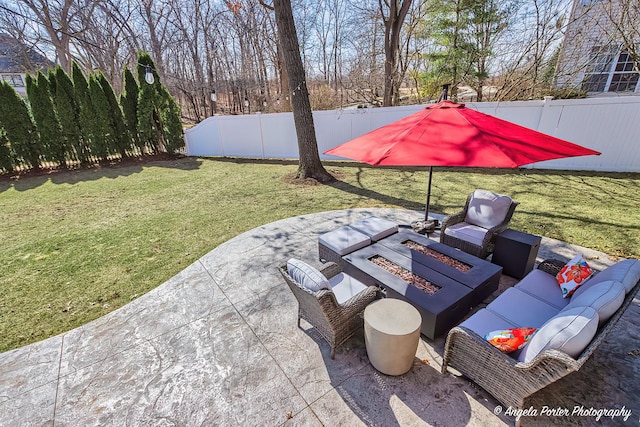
(545, 287)
(626, 272)
(570, 331)
(522, 309)
(604, 297)
(485, 321)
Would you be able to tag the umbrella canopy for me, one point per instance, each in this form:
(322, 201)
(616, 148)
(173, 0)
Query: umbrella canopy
(449, 134)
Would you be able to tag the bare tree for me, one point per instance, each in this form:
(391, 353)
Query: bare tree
(309, 165)
(393, 13)
(528, 49)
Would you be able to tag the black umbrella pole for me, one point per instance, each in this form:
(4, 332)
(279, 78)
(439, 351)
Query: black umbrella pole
(426, 208)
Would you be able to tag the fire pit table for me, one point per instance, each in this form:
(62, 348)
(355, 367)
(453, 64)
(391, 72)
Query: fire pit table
(435, 286)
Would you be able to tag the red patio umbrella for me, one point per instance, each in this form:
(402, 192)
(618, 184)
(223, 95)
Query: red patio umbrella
(449, 134)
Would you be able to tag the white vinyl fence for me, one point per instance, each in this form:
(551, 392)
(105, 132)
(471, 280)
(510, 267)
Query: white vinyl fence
(609, 125)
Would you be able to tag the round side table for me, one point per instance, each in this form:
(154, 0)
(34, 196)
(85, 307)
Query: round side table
(391, 334)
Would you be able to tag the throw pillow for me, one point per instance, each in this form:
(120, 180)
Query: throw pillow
(306, 275)
(510, 340)
(573, 275)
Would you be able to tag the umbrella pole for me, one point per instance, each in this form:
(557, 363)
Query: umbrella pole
(426, 208)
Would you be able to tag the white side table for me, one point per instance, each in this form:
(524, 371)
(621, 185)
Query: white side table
(391, 333)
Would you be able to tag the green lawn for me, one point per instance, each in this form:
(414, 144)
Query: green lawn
(77, 245)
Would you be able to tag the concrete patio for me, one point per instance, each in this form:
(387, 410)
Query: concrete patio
(218, 344)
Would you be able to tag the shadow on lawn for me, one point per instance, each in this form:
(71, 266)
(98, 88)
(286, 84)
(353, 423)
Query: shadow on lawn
(112, 170)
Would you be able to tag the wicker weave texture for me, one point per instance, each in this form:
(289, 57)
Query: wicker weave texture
(335, 322)
(508, 380)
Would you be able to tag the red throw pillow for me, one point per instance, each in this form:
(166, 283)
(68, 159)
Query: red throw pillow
(510, 340)
(573, 275)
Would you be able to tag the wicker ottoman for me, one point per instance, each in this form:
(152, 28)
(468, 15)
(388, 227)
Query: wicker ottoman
(391, 334)
(337, 243)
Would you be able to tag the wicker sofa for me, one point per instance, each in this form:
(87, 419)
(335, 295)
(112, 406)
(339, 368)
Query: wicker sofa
(537, 302)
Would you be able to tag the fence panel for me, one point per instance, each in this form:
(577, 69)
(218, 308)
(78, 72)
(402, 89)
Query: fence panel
(609, 125)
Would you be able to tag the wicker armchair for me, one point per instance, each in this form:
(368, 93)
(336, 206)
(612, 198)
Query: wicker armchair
(335, 322)
(475, 231)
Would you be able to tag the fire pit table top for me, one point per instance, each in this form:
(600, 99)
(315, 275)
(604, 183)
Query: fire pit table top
(410, 266)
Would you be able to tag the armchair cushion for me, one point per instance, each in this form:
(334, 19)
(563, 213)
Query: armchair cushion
(487, 209)
(344, 287)
(570, 332)
(306, 275)
(470, 233)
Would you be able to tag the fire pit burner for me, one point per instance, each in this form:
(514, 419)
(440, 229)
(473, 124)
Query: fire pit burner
(458, 265)
(404, 274)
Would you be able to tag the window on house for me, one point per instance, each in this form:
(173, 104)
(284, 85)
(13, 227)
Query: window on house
(14, 80)
(612, 70)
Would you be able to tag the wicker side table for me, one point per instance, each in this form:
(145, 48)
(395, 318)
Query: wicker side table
(391, 334)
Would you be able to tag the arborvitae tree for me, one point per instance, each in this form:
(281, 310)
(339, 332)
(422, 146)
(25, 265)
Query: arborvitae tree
(87, 114)
(102, 141)
(150, 127)
(19, 128)
(44, 115)
(69, 115)
(173, 125)
(129, 103)
(119, 129)
(51, 79)
(6, 160)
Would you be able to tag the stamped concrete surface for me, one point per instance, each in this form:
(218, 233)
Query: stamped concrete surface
(218, 344)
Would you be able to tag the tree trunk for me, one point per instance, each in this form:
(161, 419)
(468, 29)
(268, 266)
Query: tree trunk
(310, 165)
(398, 10)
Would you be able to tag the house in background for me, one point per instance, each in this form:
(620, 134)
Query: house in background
(16, 59)
(600, 51)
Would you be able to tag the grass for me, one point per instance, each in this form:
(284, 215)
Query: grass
(77, 245)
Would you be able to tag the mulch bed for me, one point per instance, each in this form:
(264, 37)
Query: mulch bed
(112, 163)
(404, 274)
(458, 265)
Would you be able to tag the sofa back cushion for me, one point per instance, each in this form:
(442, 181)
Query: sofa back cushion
(306, 275)
(487, 209)
(626, 272)
(604, 297)
(570, 331)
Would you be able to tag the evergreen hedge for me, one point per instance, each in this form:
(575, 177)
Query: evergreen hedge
(85, 111)
(129, 103)
(80, 118)
(119, 131)
(19, 129)
(6, 159)
(69, 115)
(102, 143)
